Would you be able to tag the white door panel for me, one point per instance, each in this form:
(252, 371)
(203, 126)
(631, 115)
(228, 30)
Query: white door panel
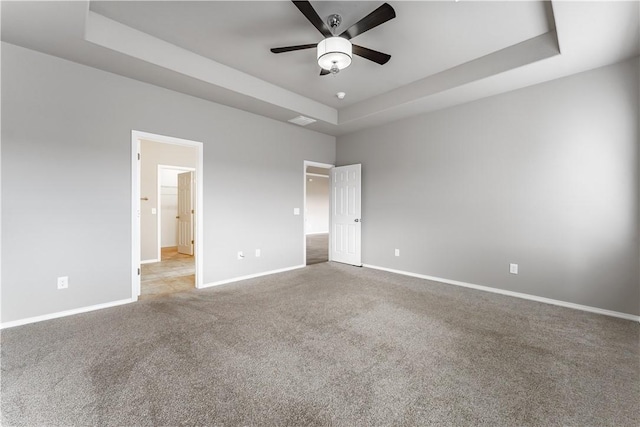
(345, 215)
(185, 213)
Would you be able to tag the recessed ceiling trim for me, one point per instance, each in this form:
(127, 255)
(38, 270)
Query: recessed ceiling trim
(590, 35)
(527, 52)
(113, 35)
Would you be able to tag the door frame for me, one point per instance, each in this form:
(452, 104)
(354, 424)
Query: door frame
(136, 136)
(159, 199)
(304, 206)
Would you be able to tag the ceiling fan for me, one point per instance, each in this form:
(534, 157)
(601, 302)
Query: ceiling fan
(336, 51)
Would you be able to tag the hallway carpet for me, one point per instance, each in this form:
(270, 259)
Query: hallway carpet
(317, 248)
(328, 345)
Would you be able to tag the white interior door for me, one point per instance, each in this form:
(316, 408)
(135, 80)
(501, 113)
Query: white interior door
(345, 215)
(185, 213)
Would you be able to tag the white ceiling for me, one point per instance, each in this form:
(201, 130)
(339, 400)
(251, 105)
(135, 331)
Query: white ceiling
(443, 53)
(426, 38)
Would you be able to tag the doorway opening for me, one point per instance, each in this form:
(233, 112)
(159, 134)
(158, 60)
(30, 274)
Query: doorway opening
(317, 201)
(174, 270)
(167, 214)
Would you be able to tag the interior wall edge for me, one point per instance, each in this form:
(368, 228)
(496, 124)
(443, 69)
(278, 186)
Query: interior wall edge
(529, 297)
(66, 313)
(251, 276)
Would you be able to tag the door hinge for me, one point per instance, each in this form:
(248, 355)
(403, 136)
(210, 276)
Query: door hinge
(138, 272)
(192, 242)
(192, 211)
(138, 156)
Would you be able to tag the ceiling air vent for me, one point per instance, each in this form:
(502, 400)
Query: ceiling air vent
(302, 121)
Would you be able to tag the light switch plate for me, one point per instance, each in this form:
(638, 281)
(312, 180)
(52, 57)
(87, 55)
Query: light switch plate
(513, 268)
(154, 211)
(296, 211)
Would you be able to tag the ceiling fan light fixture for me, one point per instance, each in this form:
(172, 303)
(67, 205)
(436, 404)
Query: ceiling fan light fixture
(334, 54)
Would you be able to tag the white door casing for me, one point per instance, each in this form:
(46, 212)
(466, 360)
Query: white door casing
(185, 213)
(345, 214)
(198, 197)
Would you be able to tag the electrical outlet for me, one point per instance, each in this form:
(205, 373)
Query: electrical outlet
(63, 282)
(397, 252)
(513, 268)
(258, 253)
(240, 255)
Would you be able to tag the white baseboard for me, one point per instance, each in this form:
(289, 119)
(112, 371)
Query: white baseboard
(149, 261)
(65, 313)
(250, 276)
(597, 310)
(512, 294)
(317, 232)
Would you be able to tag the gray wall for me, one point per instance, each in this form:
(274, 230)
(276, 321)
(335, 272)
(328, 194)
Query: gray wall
(66, 182)
(317, 214)
(546, 177)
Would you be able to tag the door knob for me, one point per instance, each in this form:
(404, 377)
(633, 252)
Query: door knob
(357, 220)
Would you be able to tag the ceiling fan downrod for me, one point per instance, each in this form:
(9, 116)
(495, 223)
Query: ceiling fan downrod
(334, 21)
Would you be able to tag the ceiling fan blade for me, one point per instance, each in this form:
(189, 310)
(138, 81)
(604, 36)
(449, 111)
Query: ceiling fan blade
(310, 13)
(379, 16)
(292, 48)
(324, 72)
(371, 55)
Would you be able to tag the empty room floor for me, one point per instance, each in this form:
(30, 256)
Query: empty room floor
(175, 273)
(328, 344)
(317, 248)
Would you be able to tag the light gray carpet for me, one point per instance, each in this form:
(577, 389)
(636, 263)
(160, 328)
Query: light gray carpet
(317, 248)
(325, 345)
